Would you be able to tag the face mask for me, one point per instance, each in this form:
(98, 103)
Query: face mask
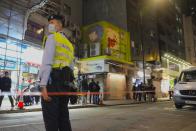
(51, 28)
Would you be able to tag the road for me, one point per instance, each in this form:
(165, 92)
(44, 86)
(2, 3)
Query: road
(160, 116)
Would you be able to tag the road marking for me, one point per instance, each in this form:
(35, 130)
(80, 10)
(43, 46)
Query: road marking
(3, 127)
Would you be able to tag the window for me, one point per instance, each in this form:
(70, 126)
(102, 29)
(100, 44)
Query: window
(188, 76)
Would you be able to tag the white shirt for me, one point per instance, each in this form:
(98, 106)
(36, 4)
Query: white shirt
(47, 60)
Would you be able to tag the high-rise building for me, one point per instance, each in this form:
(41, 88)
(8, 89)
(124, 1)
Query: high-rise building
(190, 38)
(189, 26)
(156, 33)
(157, 24)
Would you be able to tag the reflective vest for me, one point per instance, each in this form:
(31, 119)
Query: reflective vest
(64, 51)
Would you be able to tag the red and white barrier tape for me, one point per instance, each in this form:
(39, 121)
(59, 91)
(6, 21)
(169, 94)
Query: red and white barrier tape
(65, 93)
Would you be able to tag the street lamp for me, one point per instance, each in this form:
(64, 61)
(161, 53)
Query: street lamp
(155, 2)
(142, 41)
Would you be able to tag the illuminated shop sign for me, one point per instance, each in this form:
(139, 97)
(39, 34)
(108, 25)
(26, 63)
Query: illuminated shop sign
(8, 64)
(33, 70)
(94, 66)
(103, 38)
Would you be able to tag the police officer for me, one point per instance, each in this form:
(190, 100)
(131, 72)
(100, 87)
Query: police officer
(56, 74)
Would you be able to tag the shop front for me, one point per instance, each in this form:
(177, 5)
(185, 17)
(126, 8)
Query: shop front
(19, 59)
(107, 56)
(166, 76)
(114, 77)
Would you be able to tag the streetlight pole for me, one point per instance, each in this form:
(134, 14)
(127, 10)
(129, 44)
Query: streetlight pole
(142, 42)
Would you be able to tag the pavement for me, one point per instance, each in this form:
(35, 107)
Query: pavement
(160, 116)
(5, 108)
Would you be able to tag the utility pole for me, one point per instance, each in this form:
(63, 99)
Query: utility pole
(142, 41)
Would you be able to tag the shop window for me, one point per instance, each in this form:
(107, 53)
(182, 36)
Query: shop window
(15, 34)
(3, 29)
(174, 67)
(2, 45)
(2, 52)
(164, 62)
(12, 46)
(11, 53)
(34, 32)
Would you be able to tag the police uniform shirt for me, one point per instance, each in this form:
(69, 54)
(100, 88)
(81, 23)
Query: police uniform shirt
(47, 60)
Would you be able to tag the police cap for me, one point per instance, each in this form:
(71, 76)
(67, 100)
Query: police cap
(57, 17)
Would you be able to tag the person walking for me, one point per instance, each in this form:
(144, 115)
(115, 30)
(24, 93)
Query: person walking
(139, 92)
(96, 95)
(6, 88)
(84, 89)
(35, 89)
(134, 93)
(56, 74)
(92, 87)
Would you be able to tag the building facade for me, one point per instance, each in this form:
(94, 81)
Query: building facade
(190, 39)
(23, 26)
(156, 34)
(189, 25)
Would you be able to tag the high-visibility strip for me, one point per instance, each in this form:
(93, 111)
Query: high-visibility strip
(60, 39)
(63, 55)
(64, 46)
(60, 63)
(60, 49)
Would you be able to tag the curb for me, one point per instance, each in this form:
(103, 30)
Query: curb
(77, 107)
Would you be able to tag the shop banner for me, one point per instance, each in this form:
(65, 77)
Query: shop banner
(94, 66)
(103, 38)
(8, 65)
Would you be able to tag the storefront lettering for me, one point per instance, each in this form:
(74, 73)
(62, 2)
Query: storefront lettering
(111, 42)
(8, 64)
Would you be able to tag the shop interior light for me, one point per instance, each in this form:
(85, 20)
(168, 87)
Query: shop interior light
(40, 31)
(140, 74)
(166, 55)
(176, 59)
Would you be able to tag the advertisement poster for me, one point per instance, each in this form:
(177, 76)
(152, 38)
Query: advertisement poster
(106, 39)
(93, 39)
(94, 66)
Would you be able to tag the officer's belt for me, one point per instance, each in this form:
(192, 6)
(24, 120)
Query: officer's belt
(59, 68)
(65, 74)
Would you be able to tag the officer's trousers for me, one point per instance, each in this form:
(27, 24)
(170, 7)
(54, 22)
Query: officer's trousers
(55, 112)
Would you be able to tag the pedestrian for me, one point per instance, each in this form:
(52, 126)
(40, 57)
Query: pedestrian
(96, 95)
(34, 88)
(139, 92)
(144, 89)
(134, 93)
(6, 88)
(92, 86)
(171, 91)
(20, 91)
(56, 74)
(84, 89)
(153, 88)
